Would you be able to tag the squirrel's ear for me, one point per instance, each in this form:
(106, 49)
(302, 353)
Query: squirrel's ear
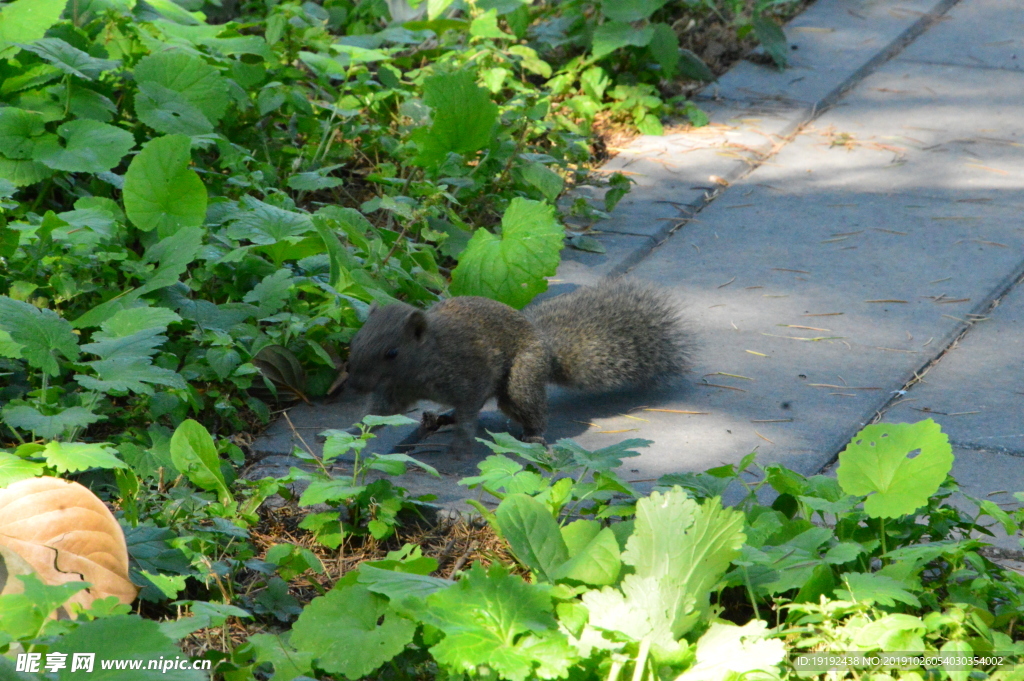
(416, 325)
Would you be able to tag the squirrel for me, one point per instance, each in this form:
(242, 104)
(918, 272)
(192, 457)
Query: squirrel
(465, 350)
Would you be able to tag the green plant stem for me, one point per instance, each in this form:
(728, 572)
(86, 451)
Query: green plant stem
(750, 592)
(881, 524)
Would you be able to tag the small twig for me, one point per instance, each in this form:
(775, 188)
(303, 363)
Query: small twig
(463, 558)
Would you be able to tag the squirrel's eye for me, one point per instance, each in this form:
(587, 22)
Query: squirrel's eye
(391, 354)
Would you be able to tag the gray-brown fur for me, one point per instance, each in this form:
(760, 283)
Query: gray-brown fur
(465, 350)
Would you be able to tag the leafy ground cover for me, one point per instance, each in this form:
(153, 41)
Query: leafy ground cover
(195, 218)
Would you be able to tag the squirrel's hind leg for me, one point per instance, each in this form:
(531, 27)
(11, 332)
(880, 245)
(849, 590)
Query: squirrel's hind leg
(524, 397)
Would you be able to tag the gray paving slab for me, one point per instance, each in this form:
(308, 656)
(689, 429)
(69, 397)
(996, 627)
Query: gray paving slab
(995, 477)
(932, 130)
(976, 389)
(836, 43)
(985, 33)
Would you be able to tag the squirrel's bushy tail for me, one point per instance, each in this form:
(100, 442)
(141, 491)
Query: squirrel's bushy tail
(613, 335)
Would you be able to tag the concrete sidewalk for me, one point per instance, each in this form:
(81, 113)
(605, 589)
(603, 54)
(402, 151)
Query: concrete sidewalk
(832, 233)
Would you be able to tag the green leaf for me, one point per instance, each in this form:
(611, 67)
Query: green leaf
(315, 179)
(194, 454)
(463, 118)
(530, 61)
(20, 132)
(127, 637)
(129, 374)
(876, 463)
(398, 586)
(169, 585)
(664, 47)
(69, 59)
(679, 550)
(594, 554)
(198, 83)
(727, 651)
(497, 619)
(42, 333)
(9, 240)
(630, 10)
(324, 491)
(533, 535)
(693, 67)
(341, 629)
(128, 323)
(71, 457)
(872, 587)
(512, 268)
(160, 191)
(267, 224)
(543, 178)
(24, 21)
(23, 173)
(612, 35)
(14, 468)
(891, 633)
(169, 112)
(486, 26)
(341, 277)
(47, 426)
(288, 662)
(89, 147)
(271, 293)
(770, 35)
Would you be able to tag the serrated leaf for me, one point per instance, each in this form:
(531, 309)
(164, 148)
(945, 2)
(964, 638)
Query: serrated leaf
(14, 468)
(69, 59)
(463, 118)
(127, 323)
(271, 292)
(727, 651)
(512, 268)
(194, 454)
(267, 224)
(161, 192)
(71, 457)
(24, 21)
(288, 662)
(398, 586)
(494, 618)
(30, 419)
(876, 463)
(486, 26)
(612, 35)
(315, 179)
(630, 10)
(770, 35)
(23, 173)
(128, 637)
(129, 374)
(200, 84)
(341, 629)
(89, 147)
(41, 332)
(875, 588)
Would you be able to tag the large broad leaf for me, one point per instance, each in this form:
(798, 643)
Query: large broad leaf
(512, 268)
(20, 132)
(30, 419)
(630, 10)
(24, 21)
(494, 618)
(42, 333)
(71, 457)
(124, 637)
(13, 469)
(594, 554)
(876, 462)
(160, 191)
(200, 84)
(527, 525)
(612, 35)
(169, 112)
(23, 173)
(129, 375)
(664, 47)
(679, 550)
(68, 535)
(194, 453)
(351, 631)
(727, 651)
(70, 59)
(463, 118)
(266, 224)
(89, 147)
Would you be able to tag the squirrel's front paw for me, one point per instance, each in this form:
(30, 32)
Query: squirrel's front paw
(535, 439)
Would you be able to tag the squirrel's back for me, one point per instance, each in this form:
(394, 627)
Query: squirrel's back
(613, 335)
